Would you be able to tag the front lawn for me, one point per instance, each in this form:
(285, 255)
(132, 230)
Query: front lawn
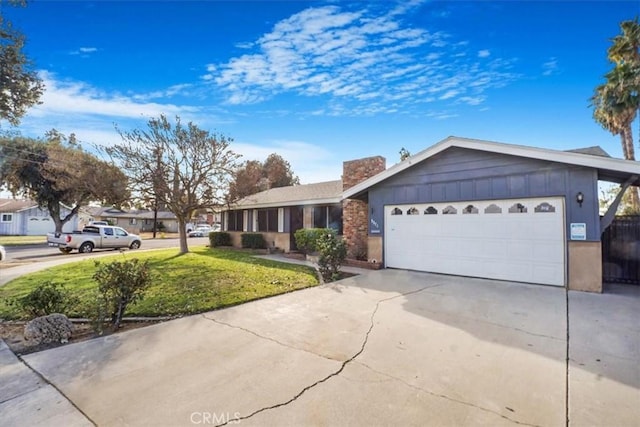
(202, 280)
(22, 240)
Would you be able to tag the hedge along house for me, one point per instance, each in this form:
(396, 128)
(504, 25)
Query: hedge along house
(491, 210)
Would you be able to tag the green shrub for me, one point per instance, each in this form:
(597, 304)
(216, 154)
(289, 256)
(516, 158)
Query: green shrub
(119, 284)
(306, 238)
(219, 238)
(47, 298)
(253, 241)
(333, 252)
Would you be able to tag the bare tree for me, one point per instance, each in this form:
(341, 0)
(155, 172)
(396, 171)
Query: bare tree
(184, 168)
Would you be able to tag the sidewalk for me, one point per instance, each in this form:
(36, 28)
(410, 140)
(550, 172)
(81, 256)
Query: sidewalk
(26, 399)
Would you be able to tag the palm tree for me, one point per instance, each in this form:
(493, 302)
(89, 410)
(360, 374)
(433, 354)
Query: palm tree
(626, 46)
(616, 106)
(616, 102)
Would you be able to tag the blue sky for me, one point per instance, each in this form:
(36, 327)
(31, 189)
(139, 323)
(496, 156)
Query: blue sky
(323, 82)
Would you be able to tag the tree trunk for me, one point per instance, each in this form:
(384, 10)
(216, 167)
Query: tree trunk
(627, 143)
(54, 211)
(182, 229)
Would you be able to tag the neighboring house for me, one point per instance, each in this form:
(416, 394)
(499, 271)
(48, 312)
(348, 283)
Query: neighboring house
(463, 207)
(24, 217)
(135, 221)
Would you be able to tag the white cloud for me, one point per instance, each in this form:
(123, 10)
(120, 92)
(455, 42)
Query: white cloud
(550, 67)
(76, 107)
(84, 51)
(72, 97)
(353, 56)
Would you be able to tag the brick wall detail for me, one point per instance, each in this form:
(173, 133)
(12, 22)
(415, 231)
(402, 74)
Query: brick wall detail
(355, 213)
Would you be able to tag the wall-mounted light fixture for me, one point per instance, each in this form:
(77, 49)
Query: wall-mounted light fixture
(580, 198)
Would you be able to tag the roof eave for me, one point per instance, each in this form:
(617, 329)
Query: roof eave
(578, 159)
(325, 201)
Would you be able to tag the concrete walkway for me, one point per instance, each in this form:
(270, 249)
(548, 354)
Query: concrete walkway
(384, 348)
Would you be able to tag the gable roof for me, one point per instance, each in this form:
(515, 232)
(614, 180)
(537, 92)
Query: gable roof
(594, 151)
(320, 193)
(609, 169)
(16, 205)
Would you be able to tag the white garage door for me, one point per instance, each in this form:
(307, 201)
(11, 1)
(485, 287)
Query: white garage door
(517, 240)
(40, 225)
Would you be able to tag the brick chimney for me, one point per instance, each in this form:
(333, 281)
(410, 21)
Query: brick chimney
(355, 214)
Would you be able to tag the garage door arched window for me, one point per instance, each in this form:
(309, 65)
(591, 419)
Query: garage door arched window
(544, 207)
(470, 209)
(449, 210)
(396, 211)
(431, 211)
(413, 211)
(493, 209)
(518, 208)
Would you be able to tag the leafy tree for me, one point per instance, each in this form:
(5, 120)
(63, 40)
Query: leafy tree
(616, 102)
(404, 154)
(247, 180)
(183, 167)
(20, 87)
(56, 171)
(254, 176)
(278, 172)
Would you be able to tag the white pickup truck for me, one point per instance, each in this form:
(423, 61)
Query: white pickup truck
(94, 237)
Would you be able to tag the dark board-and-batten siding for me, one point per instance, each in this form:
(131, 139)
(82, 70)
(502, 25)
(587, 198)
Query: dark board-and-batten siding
(460, 174)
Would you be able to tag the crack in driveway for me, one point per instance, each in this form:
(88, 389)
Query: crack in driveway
(328, 377)
(444, 396)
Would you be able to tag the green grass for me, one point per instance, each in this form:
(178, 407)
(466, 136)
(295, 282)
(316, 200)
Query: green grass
(202, 280)
(22, 240)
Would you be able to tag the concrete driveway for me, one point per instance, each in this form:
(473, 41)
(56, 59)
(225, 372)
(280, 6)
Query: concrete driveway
(383, 348)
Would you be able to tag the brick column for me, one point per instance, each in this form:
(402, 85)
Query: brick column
(355, 212)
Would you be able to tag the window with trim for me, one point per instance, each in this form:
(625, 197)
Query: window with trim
(470, 209)
(328, 217)
(544, 208)
(235, 221)
(449, 210)
(493, 209)
(431, 211)
(518, 208)
(267, 220)
(320, 217)
(132, 221)
(335, 218)
(6, 217)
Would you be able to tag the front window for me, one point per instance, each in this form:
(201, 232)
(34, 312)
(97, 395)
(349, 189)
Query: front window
(235, 221)
(267, 220)
(328, 217)
(6, 217)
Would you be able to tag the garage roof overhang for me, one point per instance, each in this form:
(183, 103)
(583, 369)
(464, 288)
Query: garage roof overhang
(609, 169)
